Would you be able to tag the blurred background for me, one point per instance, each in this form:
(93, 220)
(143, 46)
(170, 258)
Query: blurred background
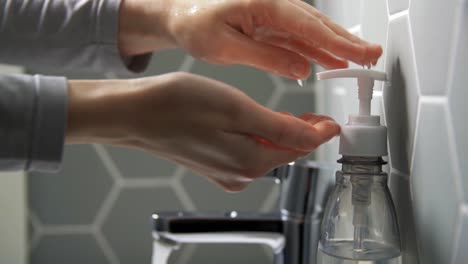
(97, 209)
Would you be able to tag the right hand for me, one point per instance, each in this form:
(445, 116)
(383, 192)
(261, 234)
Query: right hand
(206, 126)
(280, 36)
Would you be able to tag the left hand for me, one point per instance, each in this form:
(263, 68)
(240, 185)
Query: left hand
(209, 127)
(280, 36)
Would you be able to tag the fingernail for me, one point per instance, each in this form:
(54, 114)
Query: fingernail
(299, 70)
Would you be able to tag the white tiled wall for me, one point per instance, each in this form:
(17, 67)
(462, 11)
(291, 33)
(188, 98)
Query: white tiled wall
(426, 57)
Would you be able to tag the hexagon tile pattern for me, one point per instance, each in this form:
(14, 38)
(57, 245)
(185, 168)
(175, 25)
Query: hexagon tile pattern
(433, 186)
(433, 56)
(74, 195)
(97, 209)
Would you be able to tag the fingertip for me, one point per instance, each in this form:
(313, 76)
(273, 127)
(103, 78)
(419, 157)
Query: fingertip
(376, 52)
(344, 64)
(327, 129)
(379, 49)
(299, 69)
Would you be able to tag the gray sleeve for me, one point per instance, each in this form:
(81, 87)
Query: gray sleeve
(32, 122)
(64, 34)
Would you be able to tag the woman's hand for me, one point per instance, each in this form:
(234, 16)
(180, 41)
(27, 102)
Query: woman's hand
(209, 127)
(280, 36)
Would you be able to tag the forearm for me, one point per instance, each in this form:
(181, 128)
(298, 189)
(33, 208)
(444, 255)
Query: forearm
(107, 111)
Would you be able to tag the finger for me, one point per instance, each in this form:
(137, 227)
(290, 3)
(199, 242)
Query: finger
(317, 55)
(296, 20)
(312, 118)
(328, 22)
(257, 159)
(327, 129)
(281, 130)
(339, 30)
(266, 57)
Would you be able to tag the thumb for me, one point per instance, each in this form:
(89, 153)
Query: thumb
(289, 131)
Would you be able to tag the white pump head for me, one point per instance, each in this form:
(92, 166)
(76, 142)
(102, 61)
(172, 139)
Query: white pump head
(362, 135)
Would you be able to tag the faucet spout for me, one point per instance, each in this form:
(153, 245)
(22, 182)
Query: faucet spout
(172, 229)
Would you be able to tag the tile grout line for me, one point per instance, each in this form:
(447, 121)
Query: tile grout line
(450, 125)
(454, 48)
(453, 147)
(180, 191)
(106, 248)
(35, 222)
(67, 229)
(413, 144)
(413, 57)
(109, 163)
(146, 183)
(106, 207)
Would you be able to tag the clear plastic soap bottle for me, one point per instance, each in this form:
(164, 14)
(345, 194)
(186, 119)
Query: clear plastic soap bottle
(360, 224)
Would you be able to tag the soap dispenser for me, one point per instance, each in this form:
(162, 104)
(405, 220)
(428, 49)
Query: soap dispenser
(359, 224)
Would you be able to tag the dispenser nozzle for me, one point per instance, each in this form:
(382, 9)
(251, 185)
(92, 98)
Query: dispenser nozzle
(365, 79)
(362, 136)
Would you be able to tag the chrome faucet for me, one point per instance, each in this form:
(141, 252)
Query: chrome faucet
(292, 232)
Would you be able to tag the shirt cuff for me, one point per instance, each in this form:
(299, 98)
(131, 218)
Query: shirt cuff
(107, 23)
(49, 124)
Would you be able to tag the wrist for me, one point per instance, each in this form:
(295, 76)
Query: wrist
(143, 27)
(98, 111)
